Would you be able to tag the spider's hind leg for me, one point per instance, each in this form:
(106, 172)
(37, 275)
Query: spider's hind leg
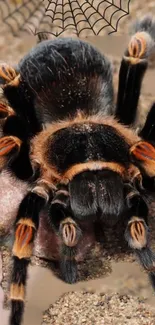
(133, 68)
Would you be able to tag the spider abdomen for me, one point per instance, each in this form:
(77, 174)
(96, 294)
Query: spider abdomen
(65, 75)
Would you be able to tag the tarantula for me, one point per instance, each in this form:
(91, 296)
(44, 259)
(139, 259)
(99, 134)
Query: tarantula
(62, 133)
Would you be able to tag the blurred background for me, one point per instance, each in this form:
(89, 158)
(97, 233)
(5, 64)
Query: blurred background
(20, 23)
(64, 18)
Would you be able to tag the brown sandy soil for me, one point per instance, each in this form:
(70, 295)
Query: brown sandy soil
(94, 309)
(127, 278)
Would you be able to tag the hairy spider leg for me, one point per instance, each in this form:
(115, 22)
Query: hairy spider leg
(133, 67)
(18, 121)
(137, 232)
(26, 226)
(68, 231)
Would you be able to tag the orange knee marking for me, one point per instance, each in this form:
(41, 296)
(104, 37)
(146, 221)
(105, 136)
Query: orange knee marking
(9, 143)
(7, 72)
(17, 292)
(27, 222)
(5, 110)
(138, 44)
(15, 82)
(69, 232)
(138, 233)
(23, 244)
(24, 235)
(144, 152)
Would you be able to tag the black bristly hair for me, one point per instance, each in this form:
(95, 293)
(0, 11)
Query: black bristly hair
(133, 67)
(97, 195)
(137, 232)
(148, 130)
(69, 231)
(26, 226)
(62, 133)
(73, 76)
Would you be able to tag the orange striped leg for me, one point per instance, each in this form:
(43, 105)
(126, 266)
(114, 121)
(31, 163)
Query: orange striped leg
(5, 111)
(27, 222)
(9, 149)
(143, 155)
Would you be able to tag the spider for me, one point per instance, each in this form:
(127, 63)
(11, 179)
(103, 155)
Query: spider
(62, 133)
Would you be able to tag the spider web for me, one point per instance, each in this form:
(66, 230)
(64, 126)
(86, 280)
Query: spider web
(62, 17)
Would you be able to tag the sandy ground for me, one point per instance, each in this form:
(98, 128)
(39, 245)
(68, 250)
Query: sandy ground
(115, 292)
(103, 309)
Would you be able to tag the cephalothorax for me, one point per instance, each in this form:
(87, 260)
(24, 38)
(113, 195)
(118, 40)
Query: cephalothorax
(62, 133)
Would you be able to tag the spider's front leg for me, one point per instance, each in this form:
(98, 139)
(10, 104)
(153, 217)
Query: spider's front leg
(137, 232)
(9, 149)
(9, 144)
(8, 75)
(20, 97)
(26, 226)
(68, 232)
(18, 124)
(14, 147)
